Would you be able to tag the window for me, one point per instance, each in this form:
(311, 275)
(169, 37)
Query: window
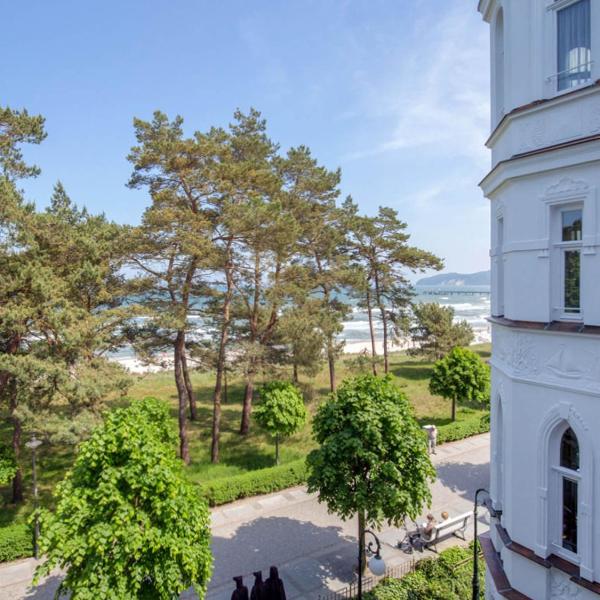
(569, 461)
(574, 45)
(571, 228)
(499, 67)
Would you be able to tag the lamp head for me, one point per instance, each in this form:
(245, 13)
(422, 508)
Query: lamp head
(377, 565)
(33, 443)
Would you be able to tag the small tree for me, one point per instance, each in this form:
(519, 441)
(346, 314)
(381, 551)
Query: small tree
(461, 375)
(281, 411)
(372, 457)
(127, 523)
(434, 332)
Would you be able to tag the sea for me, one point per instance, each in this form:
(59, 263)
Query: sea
(470, 303)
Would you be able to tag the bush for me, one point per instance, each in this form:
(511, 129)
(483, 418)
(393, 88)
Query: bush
(263, 481)
(16, 541)
(459, 430)
(447, 577)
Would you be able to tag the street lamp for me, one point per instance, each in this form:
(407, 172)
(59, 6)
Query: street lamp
(495, 514)
(376, 564)
(33, 445)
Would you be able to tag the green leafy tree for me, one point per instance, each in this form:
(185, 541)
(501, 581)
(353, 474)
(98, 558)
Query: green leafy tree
(372, 458)
(434, 332)
(127, 523)
(460, 376)
(281, 411)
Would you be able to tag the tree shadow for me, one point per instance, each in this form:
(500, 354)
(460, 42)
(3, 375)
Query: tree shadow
(413, 371)
(46, 590)
(464, 478)
(287, 543)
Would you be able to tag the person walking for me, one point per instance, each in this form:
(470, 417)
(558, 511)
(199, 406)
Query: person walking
(431, 438)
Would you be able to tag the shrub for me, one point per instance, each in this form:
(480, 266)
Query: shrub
(459, 430)
(447, 577)
(16, 541)
(263, 481)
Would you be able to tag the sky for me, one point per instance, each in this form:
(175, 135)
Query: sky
(395, 92)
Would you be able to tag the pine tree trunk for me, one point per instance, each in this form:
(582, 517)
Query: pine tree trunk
(190, 390)
(17, 482)
(295, 374)
(182, 394)
(372, 332)
(216, 424)
(247, 407)
(331, 361)
(383, 322)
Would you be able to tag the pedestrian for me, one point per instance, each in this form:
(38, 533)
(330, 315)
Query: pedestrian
(431, 438)
(274, 586)
(258, 589)
(241, 591)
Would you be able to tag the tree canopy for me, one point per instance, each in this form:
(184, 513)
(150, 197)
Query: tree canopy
(461, 376)
(127, 523)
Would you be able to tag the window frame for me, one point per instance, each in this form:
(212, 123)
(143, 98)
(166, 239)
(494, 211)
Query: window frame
(553, 7)
(558, 475)
(562, 247)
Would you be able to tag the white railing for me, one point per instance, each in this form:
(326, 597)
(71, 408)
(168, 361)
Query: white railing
(584, 69)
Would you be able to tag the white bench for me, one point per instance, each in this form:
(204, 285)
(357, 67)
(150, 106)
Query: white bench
(454, 526)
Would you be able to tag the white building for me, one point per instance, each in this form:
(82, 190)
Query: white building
(544, 188)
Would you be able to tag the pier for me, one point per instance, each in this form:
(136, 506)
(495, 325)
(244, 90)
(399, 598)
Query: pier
(453, 292)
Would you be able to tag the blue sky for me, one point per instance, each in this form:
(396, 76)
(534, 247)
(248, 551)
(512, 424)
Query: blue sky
(394, 92)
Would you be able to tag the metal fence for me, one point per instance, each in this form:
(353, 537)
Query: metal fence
(369, 583)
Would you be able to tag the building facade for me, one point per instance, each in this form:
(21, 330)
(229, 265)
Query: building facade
(544, 188)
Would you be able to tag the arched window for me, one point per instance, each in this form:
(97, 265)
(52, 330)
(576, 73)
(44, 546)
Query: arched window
(565, 489)
(568, 474)
(499, 66)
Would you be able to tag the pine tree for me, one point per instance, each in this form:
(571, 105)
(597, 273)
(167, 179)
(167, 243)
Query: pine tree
(173, 244)
(382, 256)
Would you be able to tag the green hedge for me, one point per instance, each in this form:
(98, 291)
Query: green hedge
(445, 578)
(16, 541)
(254, 483)
(273, 479)
(465, 428)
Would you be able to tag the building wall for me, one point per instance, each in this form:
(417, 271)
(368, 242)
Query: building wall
(545, 147)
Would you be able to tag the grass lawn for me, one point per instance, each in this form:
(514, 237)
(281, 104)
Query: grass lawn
(238, 454)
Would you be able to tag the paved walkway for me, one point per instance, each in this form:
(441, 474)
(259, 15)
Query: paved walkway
(313, 549)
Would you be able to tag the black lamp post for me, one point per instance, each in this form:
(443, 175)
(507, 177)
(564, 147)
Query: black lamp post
(376, 564)
(33, 445)
(494, 513)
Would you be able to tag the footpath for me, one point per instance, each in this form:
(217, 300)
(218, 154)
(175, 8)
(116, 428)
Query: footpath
(313, 549)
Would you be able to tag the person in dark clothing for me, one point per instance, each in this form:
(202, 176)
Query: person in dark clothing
(274, 586)
(241, 591)
(258, 589)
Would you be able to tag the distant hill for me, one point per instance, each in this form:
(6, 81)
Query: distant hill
(457, 279)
